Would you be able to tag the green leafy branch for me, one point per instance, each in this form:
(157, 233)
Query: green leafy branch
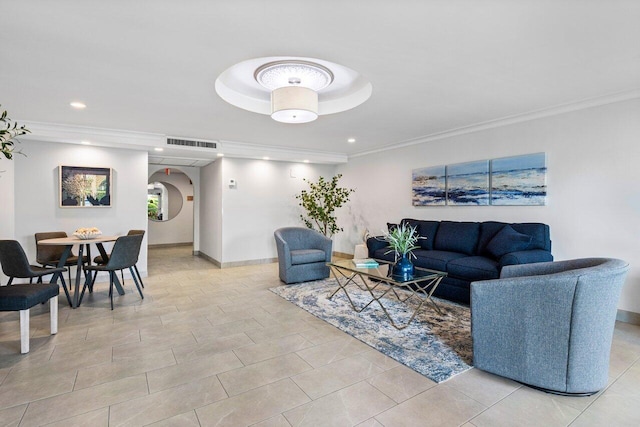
(9, 130)
(320, 203)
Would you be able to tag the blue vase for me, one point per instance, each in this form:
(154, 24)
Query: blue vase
(403, 269)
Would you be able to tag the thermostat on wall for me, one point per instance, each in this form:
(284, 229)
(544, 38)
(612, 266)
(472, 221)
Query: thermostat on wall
(232, 183)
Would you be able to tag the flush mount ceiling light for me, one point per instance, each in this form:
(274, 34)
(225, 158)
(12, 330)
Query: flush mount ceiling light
(292, 89)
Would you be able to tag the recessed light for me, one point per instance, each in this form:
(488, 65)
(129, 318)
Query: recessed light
(85, 142)
(351, 140)
(265, 158)
(220, 155)
(78, 105)
(305, 161)
(159, 149)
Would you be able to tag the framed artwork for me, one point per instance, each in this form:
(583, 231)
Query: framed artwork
(468, 183)
(82, 186)
(429, 186)
(519, 180)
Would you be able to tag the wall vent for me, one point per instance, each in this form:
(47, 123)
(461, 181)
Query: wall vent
(191, 143)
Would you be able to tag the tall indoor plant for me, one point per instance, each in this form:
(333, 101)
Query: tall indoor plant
(9, 130)
(320, 203)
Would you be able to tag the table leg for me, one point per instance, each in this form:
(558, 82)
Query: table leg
(76, 292)
(61, 263)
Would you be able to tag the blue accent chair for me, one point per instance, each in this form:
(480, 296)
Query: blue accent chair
(303, 254)
(549, 325)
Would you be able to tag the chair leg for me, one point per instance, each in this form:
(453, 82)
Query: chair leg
(111, 273)
(24, 331)
(39, 279)
(66, 290)
(138, 274)
(53, 312)
(122, 275)
(135, 280)
(10, 280)
(30, 280)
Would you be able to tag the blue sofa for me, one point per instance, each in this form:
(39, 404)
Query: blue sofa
(470, 251)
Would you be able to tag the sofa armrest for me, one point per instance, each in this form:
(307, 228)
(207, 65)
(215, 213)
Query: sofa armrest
(525, 257)
(375, 243)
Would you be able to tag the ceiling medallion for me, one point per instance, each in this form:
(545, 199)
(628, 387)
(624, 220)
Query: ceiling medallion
(291, 89)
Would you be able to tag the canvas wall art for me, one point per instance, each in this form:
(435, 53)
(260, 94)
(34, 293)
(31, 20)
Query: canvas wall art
(519, 180)
(429, 186)
(82, 186)
(468, 183)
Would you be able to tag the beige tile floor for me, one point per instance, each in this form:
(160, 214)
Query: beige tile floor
(214, 347)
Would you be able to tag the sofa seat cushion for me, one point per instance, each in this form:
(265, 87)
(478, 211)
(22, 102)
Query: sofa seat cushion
(474, 268)
(506, 241)
(24, 296)
(434, 260)
(459, 237)
(307, 256)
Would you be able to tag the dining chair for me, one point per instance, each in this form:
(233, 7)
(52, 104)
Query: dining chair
(49, 255)
(15, 264)
(101, 261)
(124, 254)
(22, 298)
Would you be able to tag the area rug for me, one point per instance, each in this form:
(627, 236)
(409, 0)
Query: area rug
(436, 345)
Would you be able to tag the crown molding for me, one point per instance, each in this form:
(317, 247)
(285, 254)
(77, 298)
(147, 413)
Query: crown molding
(510, 120)
(72, 134)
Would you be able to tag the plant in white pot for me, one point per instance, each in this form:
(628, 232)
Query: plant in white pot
(402, 240)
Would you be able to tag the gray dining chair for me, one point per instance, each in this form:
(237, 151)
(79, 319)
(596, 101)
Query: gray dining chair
(22, 298)
(101, 261)
(15, 265)
(124, 255)
(49, 255)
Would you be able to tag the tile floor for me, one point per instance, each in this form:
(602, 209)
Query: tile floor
(214, 347)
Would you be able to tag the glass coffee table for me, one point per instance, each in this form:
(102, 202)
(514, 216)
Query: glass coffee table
(379, 283)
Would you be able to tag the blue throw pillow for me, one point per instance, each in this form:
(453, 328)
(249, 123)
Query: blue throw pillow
(506, 241)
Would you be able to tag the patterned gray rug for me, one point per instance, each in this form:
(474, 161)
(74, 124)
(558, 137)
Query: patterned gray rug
(437, 346)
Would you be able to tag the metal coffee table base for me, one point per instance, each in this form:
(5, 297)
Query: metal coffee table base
(378, 287)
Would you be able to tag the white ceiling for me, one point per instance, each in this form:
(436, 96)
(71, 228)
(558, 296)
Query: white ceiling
(435, 66)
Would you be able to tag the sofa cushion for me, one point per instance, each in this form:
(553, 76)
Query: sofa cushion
(382, 254)
(539, 233)
(434, 260)
(391, 226)
(459, 237)
(307, 256)
(426, 229)
(488, 229)
(474, 268)
(507, 240)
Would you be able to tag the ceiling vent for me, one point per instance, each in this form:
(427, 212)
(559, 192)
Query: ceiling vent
(191, 143)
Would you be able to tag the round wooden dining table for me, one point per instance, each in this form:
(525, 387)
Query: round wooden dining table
(68, 243)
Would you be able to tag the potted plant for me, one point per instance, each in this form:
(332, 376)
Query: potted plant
(402, 240)
(320, 202)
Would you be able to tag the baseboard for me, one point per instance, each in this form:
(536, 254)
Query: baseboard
(249, 262)
(169, 245)
(628, 317)
(208, 258)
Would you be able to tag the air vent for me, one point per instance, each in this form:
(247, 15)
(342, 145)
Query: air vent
(191, 143)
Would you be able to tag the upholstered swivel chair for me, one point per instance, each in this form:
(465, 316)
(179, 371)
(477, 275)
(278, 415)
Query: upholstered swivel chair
(124, 254)
(49, 255)
(549, 325)
(303, 254)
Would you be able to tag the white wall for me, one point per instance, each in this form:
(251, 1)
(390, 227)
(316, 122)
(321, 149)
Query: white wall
(180, 228)
(36, 193)
(262, 201)
(7, 203)
(211, 210)
(593, 193)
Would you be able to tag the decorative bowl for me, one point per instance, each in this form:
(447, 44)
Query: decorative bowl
(86, 234)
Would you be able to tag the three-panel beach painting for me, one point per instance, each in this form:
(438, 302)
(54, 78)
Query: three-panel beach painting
(509, 181)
